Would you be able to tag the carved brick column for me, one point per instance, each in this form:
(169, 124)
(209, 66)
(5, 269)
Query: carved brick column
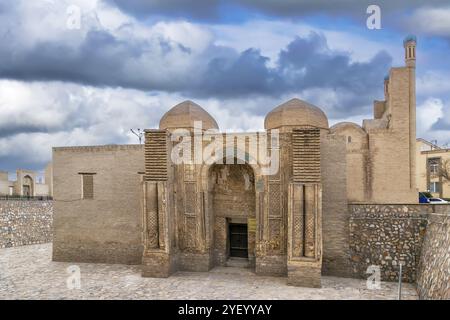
(305, 211)
(158, 259)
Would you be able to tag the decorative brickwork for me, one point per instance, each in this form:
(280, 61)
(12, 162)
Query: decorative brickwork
(305, 210)
(152, 234)
(306, 155)
(156, 155)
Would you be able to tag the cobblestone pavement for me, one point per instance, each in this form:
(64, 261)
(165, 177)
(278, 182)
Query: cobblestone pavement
(28, 273)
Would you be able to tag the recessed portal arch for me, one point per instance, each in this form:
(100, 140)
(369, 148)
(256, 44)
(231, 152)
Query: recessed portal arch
(27, 186)
(233, 208)
(245, 177)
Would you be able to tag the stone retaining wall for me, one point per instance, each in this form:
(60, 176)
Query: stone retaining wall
(25, 222)
(385, 236)
(433, 278)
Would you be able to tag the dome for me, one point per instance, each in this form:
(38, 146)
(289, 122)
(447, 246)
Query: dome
(296, 112)
(346, 126)
(184, 114)
(410, 38)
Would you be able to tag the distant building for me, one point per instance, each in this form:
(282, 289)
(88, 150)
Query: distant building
(430, 159)
(27, 183)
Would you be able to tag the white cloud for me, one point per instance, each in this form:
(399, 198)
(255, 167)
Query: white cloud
(435, 21)
(192, 36)
(433, 82)
(428, 113)
(41, 115)
(269, 36)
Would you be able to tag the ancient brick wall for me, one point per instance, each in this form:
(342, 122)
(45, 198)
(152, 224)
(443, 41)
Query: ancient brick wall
(433, 277)
(107, 228)
(385, 236)
(335, 217)
(357, 152)
(25, 222)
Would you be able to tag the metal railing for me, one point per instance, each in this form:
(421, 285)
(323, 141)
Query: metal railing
(26, 198)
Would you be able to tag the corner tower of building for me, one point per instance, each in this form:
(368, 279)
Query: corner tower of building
(410, 59)
(393, 135)
(388, 147)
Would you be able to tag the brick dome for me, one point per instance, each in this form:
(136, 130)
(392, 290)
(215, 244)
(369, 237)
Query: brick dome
(342, 126)
(296, 113)
(184, 114)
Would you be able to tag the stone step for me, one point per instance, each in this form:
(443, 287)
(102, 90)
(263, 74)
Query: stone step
(237, 263)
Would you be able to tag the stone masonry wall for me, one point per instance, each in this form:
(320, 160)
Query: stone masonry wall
(25, 222)
(385, 236)
(433, 277)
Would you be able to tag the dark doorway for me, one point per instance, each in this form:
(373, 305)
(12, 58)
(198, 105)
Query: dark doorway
(238, 240)
(26, 191)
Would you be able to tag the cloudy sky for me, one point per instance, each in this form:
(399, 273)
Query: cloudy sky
(131, 60)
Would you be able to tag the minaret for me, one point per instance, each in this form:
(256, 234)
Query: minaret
(410, 43)
(410, 51)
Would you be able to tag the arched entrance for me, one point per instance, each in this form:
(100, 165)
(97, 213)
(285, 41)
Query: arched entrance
(27, 186)
(232, 190)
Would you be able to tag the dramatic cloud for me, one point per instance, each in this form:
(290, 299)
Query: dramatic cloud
(159, 59)
(306, 64)
(132, 60)
(100, 53)
(431, 21)
(203, 9)
(210, 9)
(40, 115)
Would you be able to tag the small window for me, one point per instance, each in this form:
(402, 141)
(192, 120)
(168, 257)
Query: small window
(87, 180)
(433, 166)
(349, 139)
(435, 187)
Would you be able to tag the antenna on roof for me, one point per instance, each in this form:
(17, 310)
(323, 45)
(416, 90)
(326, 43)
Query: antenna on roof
(139, 133)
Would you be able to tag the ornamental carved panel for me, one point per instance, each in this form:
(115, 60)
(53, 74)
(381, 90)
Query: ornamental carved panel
(275, 206)
(304, 226)
(189, 198)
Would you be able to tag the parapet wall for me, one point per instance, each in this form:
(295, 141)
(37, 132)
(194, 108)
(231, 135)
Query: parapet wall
(25, 222)
(433, 277)
(385, 236)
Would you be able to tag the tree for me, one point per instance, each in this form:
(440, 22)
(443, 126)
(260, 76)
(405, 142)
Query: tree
(444, 169)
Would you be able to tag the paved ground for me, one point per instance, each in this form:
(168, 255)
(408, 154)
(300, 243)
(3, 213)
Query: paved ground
(28, 273)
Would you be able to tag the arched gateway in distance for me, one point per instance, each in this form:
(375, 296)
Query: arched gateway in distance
(192, 197)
